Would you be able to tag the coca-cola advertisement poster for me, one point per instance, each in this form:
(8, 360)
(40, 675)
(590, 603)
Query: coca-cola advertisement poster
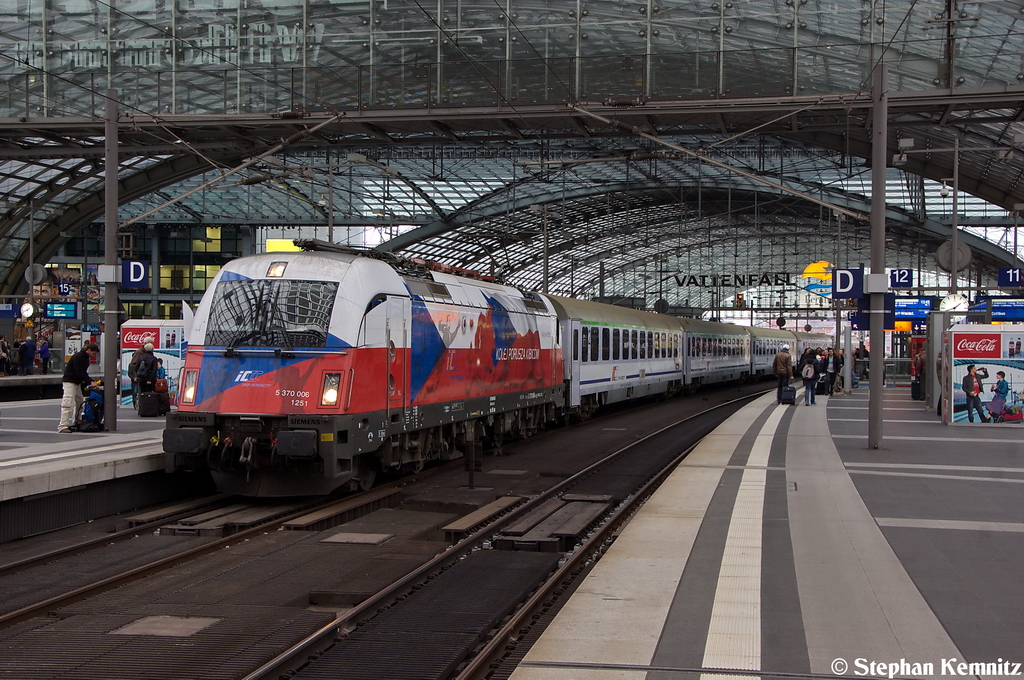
(134, 338)
(977, 345)
(987, 375)
(168, 340)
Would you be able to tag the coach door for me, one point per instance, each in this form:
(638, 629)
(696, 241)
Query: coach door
(570, 329)
(396, 339)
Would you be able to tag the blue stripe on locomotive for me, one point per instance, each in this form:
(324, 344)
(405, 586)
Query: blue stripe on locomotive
(427, 348)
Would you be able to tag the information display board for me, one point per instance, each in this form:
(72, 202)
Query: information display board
(1003, 308)
(60, 310)
(913, 308)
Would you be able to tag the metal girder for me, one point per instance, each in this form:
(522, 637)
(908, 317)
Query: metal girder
(84, 212)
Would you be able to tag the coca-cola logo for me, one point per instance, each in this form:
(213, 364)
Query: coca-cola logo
(137, 337)
(976, 346)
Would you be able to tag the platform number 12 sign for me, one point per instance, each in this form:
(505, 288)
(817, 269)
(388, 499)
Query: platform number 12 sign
(901, 278)
(1010, 278)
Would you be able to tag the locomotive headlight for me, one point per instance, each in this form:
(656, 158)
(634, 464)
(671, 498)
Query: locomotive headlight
(276, 270)
(329, 394)
(188, 394)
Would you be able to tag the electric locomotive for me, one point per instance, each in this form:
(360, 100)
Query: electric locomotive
(310, 371)
(307, 371)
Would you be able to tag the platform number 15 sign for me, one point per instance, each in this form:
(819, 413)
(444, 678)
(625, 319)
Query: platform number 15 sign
(901, 278)
(1010, 278)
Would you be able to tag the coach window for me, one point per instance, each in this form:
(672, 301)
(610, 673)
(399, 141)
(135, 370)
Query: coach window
(626, 351)
(650, 344)
(615, 344)
(575, 344)
(585, 343)
(664, 346)
(643, 345)
(594, 343)
(606, 344)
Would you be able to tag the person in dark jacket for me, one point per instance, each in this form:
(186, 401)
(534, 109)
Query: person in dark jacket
(76, 376)
(28, 356)
(5, 356)
(44, 356)
(809, 369)
(146, 369)
(833, 365)
(782, 367)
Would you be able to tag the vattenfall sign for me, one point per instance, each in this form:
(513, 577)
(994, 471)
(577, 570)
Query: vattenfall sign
(734, 280)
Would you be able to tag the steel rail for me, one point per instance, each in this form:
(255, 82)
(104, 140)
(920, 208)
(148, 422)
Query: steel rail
(106, 539)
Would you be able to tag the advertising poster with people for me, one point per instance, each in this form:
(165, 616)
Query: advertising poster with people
(987, 373)
(167, 338)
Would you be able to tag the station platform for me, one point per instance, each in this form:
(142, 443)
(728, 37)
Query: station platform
(783, 547)
(35, 459)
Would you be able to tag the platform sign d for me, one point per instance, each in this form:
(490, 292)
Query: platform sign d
(848, 283)
(135, 273)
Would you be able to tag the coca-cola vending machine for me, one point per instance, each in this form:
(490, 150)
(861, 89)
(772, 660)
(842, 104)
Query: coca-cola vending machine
(167, 337)
(998, 374)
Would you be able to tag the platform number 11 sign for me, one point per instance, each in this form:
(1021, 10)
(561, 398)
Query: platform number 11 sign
(901, 278)
(1010, 278)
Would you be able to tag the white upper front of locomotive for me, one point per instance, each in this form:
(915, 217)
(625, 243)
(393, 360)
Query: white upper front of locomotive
(294, 299)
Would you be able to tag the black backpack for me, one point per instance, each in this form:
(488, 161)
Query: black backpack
(143, 372)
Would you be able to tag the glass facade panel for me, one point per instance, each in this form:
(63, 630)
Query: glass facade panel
(227, 56)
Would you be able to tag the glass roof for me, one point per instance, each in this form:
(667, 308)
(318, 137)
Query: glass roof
(452, 123)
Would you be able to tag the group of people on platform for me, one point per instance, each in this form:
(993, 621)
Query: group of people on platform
(20, 358)
(144, 369)
(814, 365)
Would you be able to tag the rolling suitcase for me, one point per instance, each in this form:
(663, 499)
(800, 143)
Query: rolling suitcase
(153, 404)
(915, 390)
(821, 387)
(788, 394)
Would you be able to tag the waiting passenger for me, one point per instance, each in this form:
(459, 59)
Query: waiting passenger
(76, 376)
(146, 369)
(809, 371)
(782, 366)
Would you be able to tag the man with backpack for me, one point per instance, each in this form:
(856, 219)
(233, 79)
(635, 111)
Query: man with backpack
(76, 376)
(809, 371)
(146, 369)
(133, 367)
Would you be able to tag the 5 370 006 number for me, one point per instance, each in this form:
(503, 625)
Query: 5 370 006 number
(291, 393)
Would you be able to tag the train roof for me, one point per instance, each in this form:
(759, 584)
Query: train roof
(770, 333)
(611, 315)
(712, 327)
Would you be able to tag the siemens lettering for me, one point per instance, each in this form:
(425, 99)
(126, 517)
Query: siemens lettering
(516, 354)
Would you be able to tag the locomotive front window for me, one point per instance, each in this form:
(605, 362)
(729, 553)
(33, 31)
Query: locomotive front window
(271, 313)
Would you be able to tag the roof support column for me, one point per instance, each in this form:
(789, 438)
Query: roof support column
(879, 137)
(111, 305)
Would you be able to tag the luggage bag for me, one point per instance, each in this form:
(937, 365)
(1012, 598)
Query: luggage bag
(153, 404)
(822, 386)
(915, 390)
(788, 394)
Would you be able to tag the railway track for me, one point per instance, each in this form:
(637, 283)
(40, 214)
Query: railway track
(200, 586)
(221, 520)
(388, 620)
